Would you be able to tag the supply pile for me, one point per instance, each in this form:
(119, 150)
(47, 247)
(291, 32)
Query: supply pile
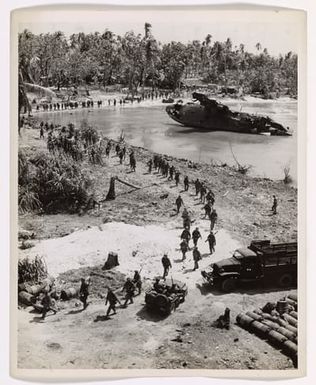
(276, 323)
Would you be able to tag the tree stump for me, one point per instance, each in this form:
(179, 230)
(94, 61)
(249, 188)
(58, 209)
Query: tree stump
(111, 193)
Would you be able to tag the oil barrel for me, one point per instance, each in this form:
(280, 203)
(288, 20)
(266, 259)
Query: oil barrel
(291, 328)
(244, 320)
(293, 314)
(293, 297)
(290, 335)
(69, 293)
(276, 338)
(271, 324)
(290, 348)
(26, 298)
(35, 289)
(291, 320)
(282, 306)
(254, 315)
(260, 329)
(291, 302)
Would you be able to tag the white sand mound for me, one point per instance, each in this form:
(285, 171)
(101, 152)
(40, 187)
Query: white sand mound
(137, 247)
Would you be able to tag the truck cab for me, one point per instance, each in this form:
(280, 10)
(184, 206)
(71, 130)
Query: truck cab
(271, 263)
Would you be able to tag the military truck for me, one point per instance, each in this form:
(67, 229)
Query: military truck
(165, 297)
(261, 261)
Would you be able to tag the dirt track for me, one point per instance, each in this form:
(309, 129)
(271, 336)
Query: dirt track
(133, 338)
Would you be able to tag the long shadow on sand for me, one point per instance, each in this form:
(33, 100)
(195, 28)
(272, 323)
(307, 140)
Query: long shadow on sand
(253, 288)
(75, 311)
(178, 260)
(101, 318)
(150, 316)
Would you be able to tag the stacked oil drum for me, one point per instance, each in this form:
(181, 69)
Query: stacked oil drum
(276, 323)
(28, 292)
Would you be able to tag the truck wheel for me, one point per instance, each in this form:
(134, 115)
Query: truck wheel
(229, 285)
(161, 300)
(285, 280)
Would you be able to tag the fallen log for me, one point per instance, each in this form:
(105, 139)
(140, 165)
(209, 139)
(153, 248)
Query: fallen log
(111, 193)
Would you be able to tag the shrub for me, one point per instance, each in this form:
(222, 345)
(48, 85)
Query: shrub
(31, 270)
(287, 177)
(53, 184)
(28, 200)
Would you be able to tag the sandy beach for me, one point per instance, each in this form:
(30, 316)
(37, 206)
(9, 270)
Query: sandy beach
(140, 225)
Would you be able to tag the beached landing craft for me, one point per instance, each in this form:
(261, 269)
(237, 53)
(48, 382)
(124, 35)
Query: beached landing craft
(209, 115)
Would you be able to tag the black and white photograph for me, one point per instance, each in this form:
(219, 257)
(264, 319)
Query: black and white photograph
(159, 166)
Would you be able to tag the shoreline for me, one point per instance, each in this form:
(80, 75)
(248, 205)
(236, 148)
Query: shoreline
(245, 200)
(259, 169)
(157, 102)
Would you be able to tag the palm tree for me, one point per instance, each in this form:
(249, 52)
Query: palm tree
(24, 87)
(151, 47)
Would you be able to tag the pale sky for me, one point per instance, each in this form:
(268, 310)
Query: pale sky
(279, 32)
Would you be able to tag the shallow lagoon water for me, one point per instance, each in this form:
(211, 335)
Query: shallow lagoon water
(150, 127)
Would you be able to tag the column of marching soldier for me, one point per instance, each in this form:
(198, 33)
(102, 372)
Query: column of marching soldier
(207, 198)
(90, 103)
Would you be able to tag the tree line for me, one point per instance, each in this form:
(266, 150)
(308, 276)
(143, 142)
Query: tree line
(136, 61)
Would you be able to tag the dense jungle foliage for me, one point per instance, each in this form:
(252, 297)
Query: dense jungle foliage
(135, 61)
